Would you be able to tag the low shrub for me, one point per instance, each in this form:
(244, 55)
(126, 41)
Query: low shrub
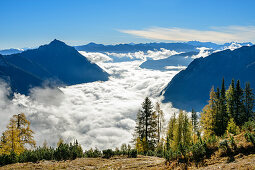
(92, 153)
(250, 137)
(108, 153)
(198, 151)
(132, 153)
(249, 126)
(8, 159)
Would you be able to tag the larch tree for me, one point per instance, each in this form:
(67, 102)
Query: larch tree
(230, 99)
(182, 132)
(208, 116)
(17, 135)
(170, 130)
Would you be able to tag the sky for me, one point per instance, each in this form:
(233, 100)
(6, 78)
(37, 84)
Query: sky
(30, 23)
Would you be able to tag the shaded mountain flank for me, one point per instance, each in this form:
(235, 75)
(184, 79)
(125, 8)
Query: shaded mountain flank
(190, 87)
(57, 64)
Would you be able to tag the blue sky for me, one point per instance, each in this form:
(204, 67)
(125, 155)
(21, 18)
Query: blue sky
(29, 23)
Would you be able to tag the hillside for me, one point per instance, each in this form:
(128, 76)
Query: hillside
(18, 79)
(189, 88)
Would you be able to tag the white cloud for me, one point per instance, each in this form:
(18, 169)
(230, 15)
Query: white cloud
(175, 67)
(98, 114)
(203, 52)
(95, 57)
(214, 34)
(155, 55)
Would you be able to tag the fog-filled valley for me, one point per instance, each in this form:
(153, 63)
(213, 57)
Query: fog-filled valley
(99, 114)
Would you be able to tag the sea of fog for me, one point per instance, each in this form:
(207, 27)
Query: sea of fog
(98, 114)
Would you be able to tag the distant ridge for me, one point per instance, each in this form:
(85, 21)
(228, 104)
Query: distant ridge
(182, 59)
(92, 47)
(132, 47)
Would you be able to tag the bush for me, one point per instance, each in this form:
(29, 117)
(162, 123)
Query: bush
(108, 153)
(223, 144)
(198, 151)
(171, 155)
(37, 155)
(150, 153)
(28, 156)
(232, 127)
(224, 148)
(212, 141)
(8, 159)
(117, 151)
(93, 153)
(232, 143)
(250, 138)
(249, 126)
(62, 152)
(132, 153)
(75, 151)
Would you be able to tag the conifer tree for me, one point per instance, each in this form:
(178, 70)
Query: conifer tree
(208, 116)
(239, 104)
(187, 128)
(139, 128)
(194, 123)
(182, 132)
(17, 135)
(171, 127)
(223, 117)
(160, 120)
(147, 113)
(249, 102)
(230, 99)
(146, 126)
(178, 130)
(152, 131)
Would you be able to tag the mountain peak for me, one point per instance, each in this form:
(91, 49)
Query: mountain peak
(56, 42)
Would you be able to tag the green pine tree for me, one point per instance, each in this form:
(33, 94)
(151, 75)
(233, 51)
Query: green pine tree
(249, 102)
(239, 104)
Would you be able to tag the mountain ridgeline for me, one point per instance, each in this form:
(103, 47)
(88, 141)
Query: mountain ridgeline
(183, 59)
(189, 88)
(123, 48)
(53, 64)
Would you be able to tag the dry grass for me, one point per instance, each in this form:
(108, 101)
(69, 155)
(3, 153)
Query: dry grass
(142, 162)
(244, 160)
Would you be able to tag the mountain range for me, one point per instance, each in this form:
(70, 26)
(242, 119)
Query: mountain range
(182, 59)
(54, 64)
(11, 51)
(190, 87)
(132, 47)
(123, 48)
